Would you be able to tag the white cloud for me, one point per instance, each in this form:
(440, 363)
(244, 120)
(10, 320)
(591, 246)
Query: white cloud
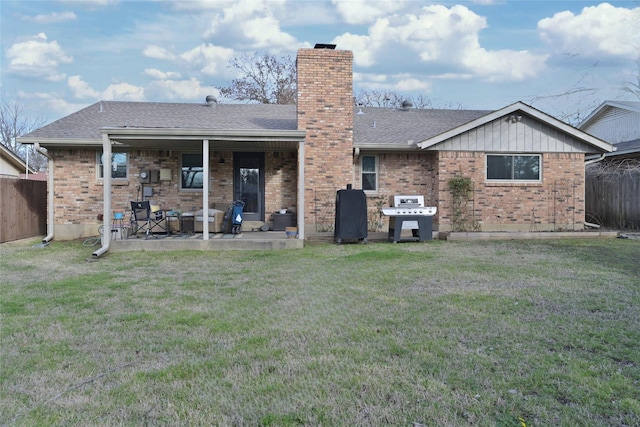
(411, 84)
(488, 2)
(252, 24)
(81, 89)
(598, 30)
(363, 51)
(52, 102)
(37, 57)
(365, 11)
(190, 90)
(157, 52)
(209, 58)
(92, 4)
(265, 33)
(200, 5)
(161, 75)
(442, 39)
(367, 77)
(123, 92)
(52, 18)
(504, 64)
(437, 34)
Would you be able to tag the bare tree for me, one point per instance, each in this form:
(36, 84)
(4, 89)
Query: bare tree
(376, 98)
(633, 86)
(264, 79)
(15, 121)
(386, 99)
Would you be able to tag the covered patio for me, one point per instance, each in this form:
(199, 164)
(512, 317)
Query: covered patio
(206, 142)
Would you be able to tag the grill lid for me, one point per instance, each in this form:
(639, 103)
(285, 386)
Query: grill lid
(400, 201)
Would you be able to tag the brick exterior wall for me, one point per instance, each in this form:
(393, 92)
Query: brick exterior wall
(325, 111)
(557, 203)
(399, 173)
(281, 186)
(78, 193)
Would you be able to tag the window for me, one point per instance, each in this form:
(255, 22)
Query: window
(118, 165)
(369, 168)
(513, 167)
(191, 172)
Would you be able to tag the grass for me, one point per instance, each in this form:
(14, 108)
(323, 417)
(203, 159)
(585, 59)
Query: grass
(439, 334)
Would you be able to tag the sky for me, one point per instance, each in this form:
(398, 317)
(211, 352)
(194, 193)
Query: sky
(60, 56)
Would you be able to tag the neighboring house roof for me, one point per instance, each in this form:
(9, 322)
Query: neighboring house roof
(626, 148)
(517, 111)
(11, 163)
(606, 106)
(618, 122)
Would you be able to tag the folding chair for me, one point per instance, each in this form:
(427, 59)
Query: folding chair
(142, 218)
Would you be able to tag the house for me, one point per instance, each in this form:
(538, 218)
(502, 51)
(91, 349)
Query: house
(613, 179)
(527, 168)
(618, 123)
(12, 165)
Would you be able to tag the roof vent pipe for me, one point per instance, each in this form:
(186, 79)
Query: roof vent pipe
(211, 100)
(407, 105)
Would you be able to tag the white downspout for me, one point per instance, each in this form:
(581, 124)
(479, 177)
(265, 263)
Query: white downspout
(50, 198)
(106, 205)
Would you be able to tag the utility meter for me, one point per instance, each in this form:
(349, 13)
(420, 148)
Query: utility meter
(144, 176)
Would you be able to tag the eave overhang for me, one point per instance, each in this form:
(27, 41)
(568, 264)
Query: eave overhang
(182, 139)
(387, 147)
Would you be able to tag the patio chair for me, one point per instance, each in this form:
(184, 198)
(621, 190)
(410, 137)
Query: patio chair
(146, 219)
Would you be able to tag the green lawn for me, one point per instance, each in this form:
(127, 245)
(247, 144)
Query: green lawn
(535, 333)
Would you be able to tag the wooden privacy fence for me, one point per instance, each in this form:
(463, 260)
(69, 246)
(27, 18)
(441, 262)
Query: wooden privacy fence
(23, 208)
(613, 200)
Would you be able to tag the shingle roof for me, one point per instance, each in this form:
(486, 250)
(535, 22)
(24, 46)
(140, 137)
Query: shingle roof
(375, 126)
(372, 126)
(84, 124)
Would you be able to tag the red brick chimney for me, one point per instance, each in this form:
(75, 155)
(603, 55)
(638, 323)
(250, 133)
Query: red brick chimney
(325, 111)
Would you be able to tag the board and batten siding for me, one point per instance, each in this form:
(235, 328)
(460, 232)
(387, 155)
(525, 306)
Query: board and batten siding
(526, 136)
(616, 125)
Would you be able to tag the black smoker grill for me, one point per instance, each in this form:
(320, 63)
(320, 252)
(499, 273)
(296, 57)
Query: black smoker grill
(351, 216)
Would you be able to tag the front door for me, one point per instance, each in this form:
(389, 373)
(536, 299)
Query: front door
(248, 184)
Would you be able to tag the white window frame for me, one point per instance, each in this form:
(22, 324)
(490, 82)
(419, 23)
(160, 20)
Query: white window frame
(182, 188)
(100, 166)
(376, 172)
(513, 180)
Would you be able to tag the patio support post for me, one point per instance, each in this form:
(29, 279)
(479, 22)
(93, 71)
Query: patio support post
(205, 189)
(301, 223)
(106, 204)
